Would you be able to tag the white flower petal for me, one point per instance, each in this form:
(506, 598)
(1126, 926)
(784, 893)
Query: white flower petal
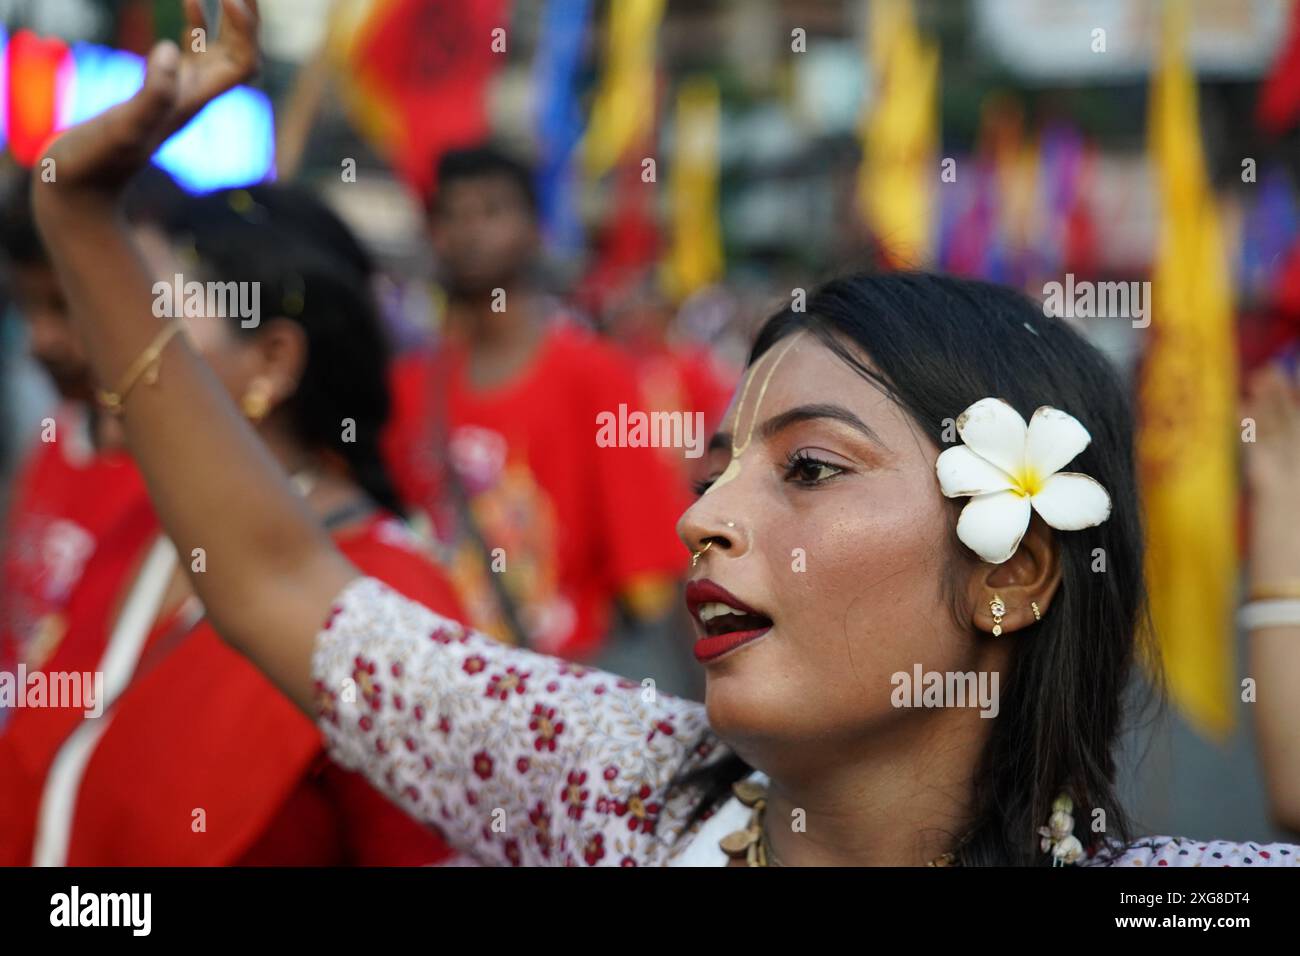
(1055, 437)
(992, 525)
(962, 472)
(995, 431)
(1069, 502)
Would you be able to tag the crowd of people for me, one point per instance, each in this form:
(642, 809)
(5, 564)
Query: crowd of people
(462, 473)
(345, 605)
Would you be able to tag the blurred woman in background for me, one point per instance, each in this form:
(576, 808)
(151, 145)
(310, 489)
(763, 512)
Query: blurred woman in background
(197, 759)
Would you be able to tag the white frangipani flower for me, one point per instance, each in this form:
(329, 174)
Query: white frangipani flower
(1010, 469)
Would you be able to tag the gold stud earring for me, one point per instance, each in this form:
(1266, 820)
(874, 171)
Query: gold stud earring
(256, 403)
(1037, 614)
(997, 609)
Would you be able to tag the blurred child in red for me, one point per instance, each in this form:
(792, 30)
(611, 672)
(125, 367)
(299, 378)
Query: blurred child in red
(77, 482)
(672, 375)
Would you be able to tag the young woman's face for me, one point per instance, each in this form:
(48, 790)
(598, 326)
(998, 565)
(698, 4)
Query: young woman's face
(830, 523)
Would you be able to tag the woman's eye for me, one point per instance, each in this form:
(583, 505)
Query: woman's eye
(810, 471)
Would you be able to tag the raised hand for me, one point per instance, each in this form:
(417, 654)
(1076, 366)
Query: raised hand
(1272, 464)
(1273, 459)
(101, 154)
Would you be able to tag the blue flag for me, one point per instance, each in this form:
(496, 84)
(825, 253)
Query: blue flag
(559, 118)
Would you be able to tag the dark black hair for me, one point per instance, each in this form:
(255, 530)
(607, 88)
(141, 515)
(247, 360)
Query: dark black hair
(150, 197)
(299, 209)
(936, 345)
(19, 241)
(313, 271)
(484, 162)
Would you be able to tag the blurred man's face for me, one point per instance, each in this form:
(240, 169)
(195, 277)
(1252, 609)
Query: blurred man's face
(53, 339)
(483, 232)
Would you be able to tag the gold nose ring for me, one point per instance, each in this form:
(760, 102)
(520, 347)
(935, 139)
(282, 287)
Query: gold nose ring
(695, 555)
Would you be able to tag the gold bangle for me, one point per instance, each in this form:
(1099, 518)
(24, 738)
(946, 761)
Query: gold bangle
(1287, 590)
(144, 367)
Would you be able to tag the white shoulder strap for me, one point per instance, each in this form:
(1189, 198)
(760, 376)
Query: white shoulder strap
(59, 796)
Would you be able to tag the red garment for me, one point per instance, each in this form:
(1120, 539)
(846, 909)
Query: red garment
(687, 378)
(683, 377)
(67, 497)
(573, 524)
(201, 735)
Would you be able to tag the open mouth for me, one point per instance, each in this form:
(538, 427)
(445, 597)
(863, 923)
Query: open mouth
(727, 622)
(719, 618)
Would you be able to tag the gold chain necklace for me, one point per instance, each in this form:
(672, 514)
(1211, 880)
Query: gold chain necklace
(752, 845)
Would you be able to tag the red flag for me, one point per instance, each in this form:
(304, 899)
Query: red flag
(1279, 98)
(420, 70)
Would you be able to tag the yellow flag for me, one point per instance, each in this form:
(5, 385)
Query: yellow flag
(695, 258)
(1188, 393)
(624, 110)
(348, 30)
(899, 135)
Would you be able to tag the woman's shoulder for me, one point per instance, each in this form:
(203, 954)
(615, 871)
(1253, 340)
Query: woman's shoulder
(1183, 851)
(385, 548)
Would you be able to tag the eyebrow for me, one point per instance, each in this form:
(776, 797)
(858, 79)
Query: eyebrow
(803, 413)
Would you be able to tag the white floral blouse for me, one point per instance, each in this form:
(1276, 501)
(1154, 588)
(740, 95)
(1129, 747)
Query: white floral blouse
(523, 759)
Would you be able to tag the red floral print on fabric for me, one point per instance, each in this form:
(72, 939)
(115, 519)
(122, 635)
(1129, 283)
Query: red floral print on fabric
(574, 762)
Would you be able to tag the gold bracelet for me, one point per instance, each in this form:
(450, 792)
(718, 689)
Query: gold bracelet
(1287, 590)
(144, 367)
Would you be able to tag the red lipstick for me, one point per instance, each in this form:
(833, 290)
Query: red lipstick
(723, 633)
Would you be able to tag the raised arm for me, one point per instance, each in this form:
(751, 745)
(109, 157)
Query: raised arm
(270, 571)
(1273, 467)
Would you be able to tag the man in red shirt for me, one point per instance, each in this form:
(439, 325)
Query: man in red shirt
(494, 435)
(76, 482)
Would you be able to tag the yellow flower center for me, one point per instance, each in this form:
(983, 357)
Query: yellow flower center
(1027, 482)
